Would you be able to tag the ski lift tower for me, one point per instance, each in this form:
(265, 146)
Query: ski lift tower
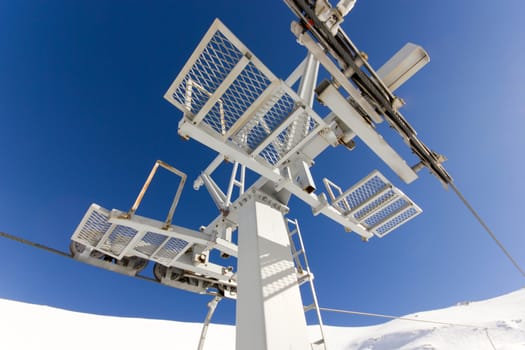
(233, 104)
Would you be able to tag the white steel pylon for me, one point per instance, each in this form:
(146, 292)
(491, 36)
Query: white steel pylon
(269, 309)
(232, 103)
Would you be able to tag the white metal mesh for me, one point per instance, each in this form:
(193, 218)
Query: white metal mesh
(377, 205)
(385, 212)
(267, 119)
(366, 189)
(170, 250)
(150, 243)
(160, 248)
(93, 227)
(95, 231)
(382, 200)
(118, 240)
(210, 69)
(248, 103)
(239, 96)
(396, 221)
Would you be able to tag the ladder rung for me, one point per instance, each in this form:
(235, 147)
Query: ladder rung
(303, 276)
(309, 307)
(297, 253)
(302, 280)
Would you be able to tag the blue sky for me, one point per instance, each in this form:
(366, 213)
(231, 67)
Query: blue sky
(83, 120)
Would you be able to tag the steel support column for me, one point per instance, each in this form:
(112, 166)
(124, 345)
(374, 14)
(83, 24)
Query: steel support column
(270, 313)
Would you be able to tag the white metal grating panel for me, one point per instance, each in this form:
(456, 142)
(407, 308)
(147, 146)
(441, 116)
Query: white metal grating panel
(150, 243)
(226, 91)
(209, 70)
(118, 240)
(267, 119)
(170, 250)
(396, 221)
(236, 100)
(364, 190)
(376, 204)
(93, 226)
(96, 232)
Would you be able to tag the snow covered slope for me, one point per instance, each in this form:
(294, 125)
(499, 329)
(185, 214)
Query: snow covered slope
(497, 323)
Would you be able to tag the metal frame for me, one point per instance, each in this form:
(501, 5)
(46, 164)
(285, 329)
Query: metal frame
(250, 128)
(340, 106)
(240, 126)
(95, 236)
(374, 203)
(116, 235)
(248, 134)
(336, 46)
(234, 104)
(222, 200)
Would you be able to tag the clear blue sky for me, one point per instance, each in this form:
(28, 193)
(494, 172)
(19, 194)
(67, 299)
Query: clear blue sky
(83, 120)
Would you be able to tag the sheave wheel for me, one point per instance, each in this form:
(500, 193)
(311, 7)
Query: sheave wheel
(78, 248)
(159, 271)
(133, 263)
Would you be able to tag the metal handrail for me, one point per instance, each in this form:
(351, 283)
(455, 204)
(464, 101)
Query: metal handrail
(142, 192)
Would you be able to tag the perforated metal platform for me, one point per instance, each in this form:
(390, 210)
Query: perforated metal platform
(376, 204)
(236, 106)
(118, 241)
(227, 92)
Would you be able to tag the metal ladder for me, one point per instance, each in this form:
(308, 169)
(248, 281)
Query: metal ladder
(304, 275)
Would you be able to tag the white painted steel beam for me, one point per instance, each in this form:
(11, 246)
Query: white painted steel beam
(296, 74)
(187, 129)
(218, 197)
(149, 225)
(336, 73)
(208, 171)
(332, 98)
(318, 205)
(309, 80)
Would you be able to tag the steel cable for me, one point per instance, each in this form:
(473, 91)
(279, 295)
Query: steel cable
(33, 244)
(55, 251)
(360, 313)
(487, 229)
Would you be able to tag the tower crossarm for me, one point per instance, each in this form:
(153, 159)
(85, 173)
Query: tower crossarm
(373, 95)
